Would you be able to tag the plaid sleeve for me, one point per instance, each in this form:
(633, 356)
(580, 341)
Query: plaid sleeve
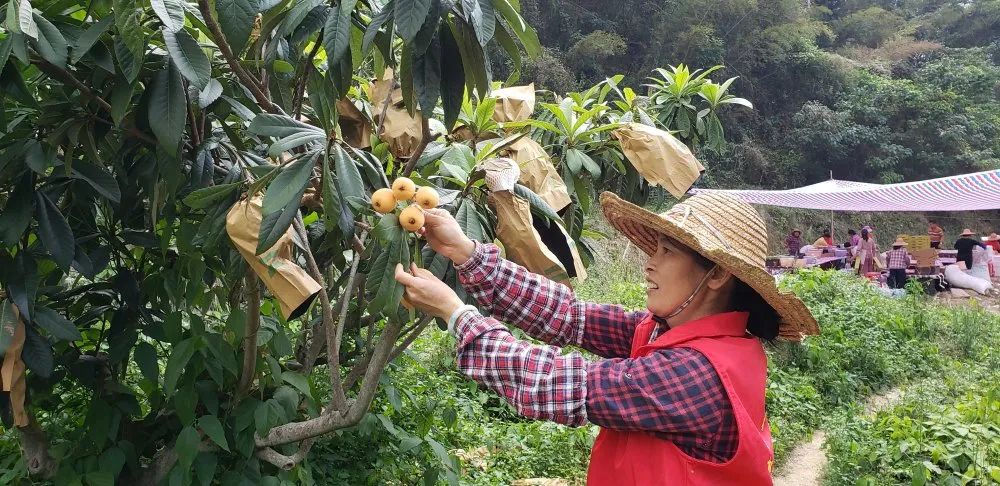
(546, 310)
(537, 380)
(673, 393)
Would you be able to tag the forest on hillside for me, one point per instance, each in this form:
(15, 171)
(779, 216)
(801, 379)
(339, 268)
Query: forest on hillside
(873, 90)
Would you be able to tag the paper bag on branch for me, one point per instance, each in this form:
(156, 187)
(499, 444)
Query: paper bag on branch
(401, 131)
(515, 103)
(286, 280)
(545, 250)
(659, 157)
(12, 377)
(354, 126)
(538, 173)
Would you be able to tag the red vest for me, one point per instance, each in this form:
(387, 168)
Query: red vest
(641, 459)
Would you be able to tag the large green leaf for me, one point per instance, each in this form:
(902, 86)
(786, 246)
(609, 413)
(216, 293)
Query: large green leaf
(383, 17)
(17, 213)
(289, 184)
(336, 212)
(213, 429)
(538, 205)
(128, 23)
(468, 219)
(409, 16)
(337, 32)
(90, 36)
(37, 353)
(208, 196)
(188, 57)
(280, 126)
(178, 361)
(51, 43)
(168, 109)
(382, 276)
(187, 446)
(211, 93)
(427, 76)
(98, 178)
(57, 325)
(145, 356)
(349, 180)
(21, 280)
(170, 12)
(54, 231)
(274, 225)
(523, 31)
(25, 23)
(452, 77)
(236, 17)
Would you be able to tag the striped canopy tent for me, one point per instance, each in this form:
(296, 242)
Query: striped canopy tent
(966, 192)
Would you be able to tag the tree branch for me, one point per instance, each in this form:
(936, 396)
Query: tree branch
(338, 400)
(282, 461)
(250, 338)
(227, 52)
(36, 451)
(410, 336)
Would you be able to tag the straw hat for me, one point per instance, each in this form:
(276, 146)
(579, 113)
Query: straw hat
(967, 232)
(993, 237)
(900, 242)
(723, 229)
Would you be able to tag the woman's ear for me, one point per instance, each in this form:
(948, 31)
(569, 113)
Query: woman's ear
(718, 278)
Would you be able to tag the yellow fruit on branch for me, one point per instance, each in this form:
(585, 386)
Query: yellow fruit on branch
(383, 201)
(427, 197)
(412, 218)
(403, 188)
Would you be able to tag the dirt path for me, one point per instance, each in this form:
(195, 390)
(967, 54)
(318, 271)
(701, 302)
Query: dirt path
(806, 462)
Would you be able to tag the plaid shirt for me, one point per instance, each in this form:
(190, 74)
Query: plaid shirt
(674, 393)
(897, 259)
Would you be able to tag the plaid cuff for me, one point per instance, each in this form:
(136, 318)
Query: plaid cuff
(480, 267)
(470, 325)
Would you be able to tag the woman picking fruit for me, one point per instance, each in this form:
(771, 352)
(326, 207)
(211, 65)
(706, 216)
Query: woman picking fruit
(679, 395)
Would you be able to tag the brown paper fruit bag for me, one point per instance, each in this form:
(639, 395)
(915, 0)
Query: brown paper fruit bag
(538, 173)
(401, 131)
(12, 376)
(287, 281)
(659, 157)
(354, 125)
(515, 103)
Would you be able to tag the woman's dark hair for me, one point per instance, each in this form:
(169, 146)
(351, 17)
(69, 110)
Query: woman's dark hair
(852, 232)
(864, 234)
(763, 320)
(826, 232)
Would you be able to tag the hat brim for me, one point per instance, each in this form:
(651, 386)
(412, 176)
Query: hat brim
(643, 227)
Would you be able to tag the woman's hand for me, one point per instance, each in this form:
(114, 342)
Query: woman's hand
(427, 293)
(446, 237)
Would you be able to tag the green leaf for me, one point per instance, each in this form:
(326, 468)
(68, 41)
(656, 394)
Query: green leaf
(145, 356)
(409, 16)
(206, 197)
(274, 225)
(90, 37)
(188, 57)
(236, 17)
(538, 205)
(336, 212)
(213, 429)
(51, 43)
(54, 231)
(337, 32)
(211, 93)
(17, 213)
(98, 178)
(468, 220)
(452, 77)
(383, 17)
(440, 451)
(121, 100)
(388, 229)
(179, 358)
(409, 443)
(523, 31)
(297, 380)
(8, 324)
(506, 41)
(57, 325)
(25, 19)
(170, 12)
(185, 403)
(349, 183)
(100, 478)
(458, 161)
(186, 447)
(279, 126)
(168, 109)
(37, 354)
(289, 184)
(205, 466)
(128, 23)
(382, 277)
(427, 76)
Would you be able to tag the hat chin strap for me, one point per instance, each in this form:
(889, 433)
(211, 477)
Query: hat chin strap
(684, 305)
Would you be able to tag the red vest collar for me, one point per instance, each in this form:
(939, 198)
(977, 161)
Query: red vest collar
(732, 324)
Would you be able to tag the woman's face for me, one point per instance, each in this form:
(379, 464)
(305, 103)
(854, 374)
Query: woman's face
(672, 273)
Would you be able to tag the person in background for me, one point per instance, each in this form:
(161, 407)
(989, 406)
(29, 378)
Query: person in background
(866, 253)
(936, 234)
(966, 242)
(794, 242)
(993, 241)
(897, 261)
(825, 241)
(853, 239)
